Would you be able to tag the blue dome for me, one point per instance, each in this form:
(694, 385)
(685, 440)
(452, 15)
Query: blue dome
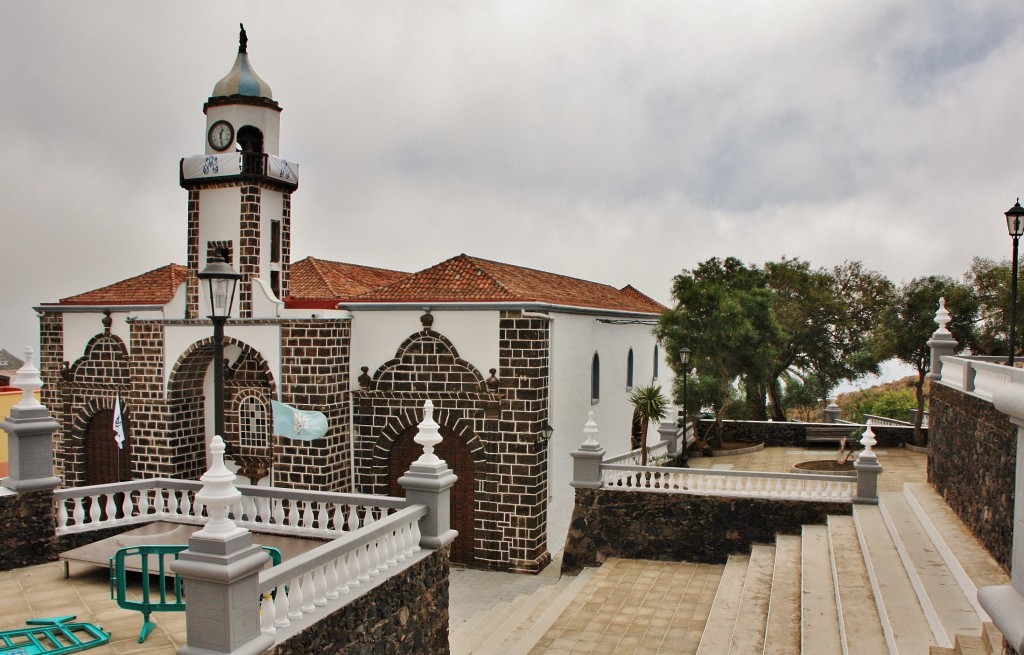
(242, 80)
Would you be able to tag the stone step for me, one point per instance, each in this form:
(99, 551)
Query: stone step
(554, 606)
(819, 617)
(469, 636)
(748, 633)
(904, 624)
(520, 621)
(717, 634)
(948, 610)
(994, 639)
(860, 625)
(966, 558)
(782, 634)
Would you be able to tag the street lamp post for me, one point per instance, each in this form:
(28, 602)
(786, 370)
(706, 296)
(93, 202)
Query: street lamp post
(684, 359)
(221, 280)
(1015, 226)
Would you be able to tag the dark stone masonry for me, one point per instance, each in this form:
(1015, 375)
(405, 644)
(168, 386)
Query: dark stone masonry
(406, 614)
(972, 462)
(28, 524)
(677, 527)
(774, 434)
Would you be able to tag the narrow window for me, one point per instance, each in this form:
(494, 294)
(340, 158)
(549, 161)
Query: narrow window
(595, 380)
(254, 426)
(629, 369)
(655, 362)
(275, 242)
(275, 283)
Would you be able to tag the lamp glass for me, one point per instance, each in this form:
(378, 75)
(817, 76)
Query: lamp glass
(684, 355)
(221, 280)
(1015, 220)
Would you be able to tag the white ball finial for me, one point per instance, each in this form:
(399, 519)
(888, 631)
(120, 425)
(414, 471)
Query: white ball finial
(27, 379)
(942, 317)
(218, 494)
(590, 429)
(428, 435)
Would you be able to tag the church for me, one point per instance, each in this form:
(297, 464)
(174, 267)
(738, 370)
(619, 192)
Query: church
(512, 358)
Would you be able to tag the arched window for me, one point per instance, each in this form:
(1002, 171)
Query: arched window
(629, 369)
(595, 380)
(253, 423)
(655, 362)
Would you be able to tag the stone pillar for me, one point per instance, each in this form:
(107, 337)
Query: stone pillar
(832, 412)
(669, 431)
(428, 482)
(586, 462)
(221, 571)
(1005, 603)
(868, 470)
(30, 431)
(942, 343)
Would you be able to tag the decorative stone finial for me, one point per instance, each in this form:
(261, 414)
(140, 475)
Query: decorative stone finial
(427, 320)
(942, 317)
(492, 382)
(218, 494)
(107, 321)
(27, 379)
(428, 435)
(868, 440)
(364, 378)
(243, 40)
(590, 429)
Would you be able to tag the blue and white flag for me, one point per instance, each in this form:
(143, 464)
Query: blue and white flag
(118, 424)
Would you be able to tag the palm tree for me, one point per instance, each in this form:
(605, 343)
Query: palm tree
(649, 405)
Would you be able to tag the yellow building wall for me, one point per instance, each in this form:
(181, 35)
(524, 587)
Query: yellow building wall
(8, 399)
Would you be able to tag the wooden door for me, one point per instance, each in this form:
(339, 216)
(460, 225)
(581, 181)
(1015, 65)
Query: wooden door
(454, 451)
(104, 461)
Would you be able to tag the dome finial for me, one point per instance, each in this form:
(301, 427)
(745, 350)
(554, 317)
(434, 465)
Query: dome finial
(243, 40)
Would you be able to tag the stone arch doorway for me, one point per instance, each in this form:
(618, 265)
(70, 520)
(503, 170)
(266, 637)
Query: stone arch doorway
(460, 459)
(104, 461)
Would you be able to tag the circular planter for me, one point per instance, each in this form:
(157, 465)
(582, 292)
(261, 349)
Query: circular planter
(916, 449)
(737, 449)
(825, 467)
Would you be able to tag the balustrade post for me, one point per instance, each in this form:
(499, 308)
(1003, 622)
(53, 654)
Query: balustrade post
(868, 470)
(586, 462)
(428, 482)
(30, 431)
(942, 342)
(221, 571)
(832, 412)
(669, 431)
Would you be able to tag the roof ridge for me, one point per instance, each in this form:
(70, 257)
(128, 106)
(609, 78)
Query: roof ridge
(475, 261)
(321, 260)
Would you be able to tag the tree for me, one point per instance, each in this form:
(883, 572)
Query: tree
(723, 313)
(909, 322)
(990, 281)
(648, 405)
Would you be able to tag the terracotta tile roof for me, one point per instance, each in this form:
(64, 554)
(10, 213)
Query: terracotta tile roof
(470, 279)
(323, 282)
(641, 297)
(156, 287)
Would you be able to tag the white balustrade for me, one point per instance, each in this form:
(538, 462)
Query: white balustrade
(743, 484)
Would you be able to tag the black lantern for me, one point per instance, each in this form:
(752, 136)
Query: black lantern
(684, 359)
(547, 430)
(221, 281)
(1015, 226)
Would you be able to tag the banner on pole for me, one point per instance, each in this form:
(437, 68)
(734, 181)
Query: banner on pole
(118, 424)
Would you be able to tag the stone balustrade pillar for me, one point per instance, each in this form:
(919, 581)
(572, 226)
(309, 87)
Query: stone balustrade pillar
(30, 431)
(942, 343)
(221, 572)
(586, 461)
(1005, 603)
(868, 470)
(669, 431)
(832, 412)
(428, 482)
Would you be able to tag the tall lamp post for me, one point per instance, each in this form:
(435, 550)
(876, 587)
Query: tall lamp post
(684, 359)
(1015, 226)
(221, 280)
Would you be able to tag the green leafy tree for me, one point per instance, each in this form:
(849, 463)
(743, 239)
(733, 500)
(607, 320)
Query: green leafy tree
(909, 322)
(723, 313)
(648, 405)
(804, 396)
(990, 281)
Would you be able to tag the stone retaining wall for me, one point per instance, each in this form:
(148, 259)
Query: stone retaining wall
(795, 434)
(680, 527)
(28, 524)
(972, 463)
(406, 614)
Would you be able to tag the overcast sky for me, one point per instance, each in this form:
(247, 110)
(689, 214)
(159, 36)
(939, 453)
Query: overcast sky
(615, 141)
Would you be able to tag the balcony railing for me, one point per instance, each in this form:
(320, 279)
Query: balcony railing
(233, 164)
(978, 376)
(744, 484)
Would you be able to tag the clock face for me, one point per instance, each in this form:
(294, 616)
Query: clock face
(221, 135)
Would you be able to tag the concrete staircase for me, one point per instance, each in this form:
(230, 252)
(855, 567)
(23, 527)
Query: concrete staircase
(512, 628)
(900, 577)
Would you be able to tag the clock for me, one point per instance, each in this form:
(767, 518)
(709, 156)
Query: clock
(221, 135)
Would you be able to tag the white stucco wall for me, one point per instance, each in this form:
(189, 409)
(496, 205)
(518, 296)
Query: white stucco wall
(265, 339)
(267, 120)
(80, 327)
(376, 336)
(575, 338)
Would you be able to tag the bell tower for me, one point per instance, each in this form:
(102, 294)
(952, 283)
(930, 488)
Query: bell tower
(240, 189)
